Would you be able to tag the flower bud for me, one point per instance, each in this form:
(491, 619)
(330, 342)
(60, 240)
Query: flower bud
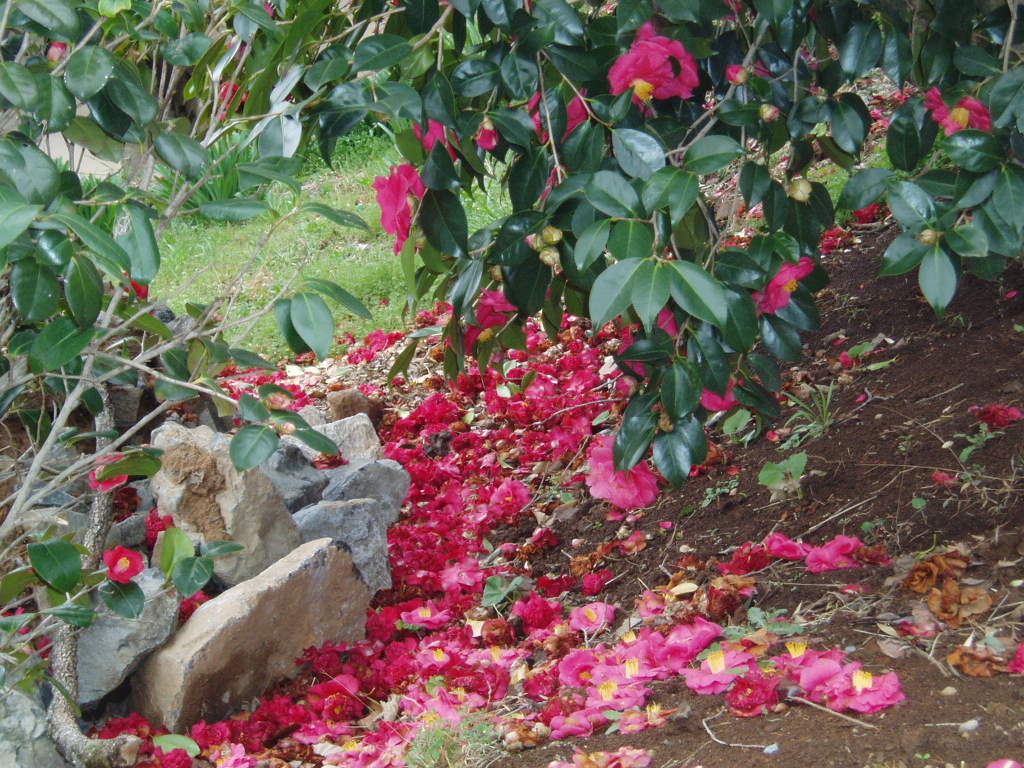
(56, 52)
(769, 112)
(737, 74)
(800, 190)
(496, 275)
(929, 236)
(665, 423)
(551, 235)
(284, 428)
(550, 256)
(534, 242)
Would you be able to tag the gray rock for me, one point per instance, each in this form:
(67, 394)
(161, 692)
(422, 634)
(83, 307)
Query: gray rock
(313, 416)
(249, 636)
(295, 478)
(385, 480)
(199, 486)
(113, 647)
(359, 525)
(355, 436)
(23, 739)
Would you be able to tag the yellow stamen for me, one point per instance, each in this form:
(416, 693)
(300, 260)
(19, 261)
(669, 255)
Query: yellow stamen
(862, 680)
(496, 652)
(796, 650)
(608, 690)
(590, 613)
(653, 711)
(440, 655)
(961, 116)
(425, 612)
(629, 637)
(351, 745)
(716, 661)
(632, 667)
(791, 286)
(477, 627)
(431, 717)
(123, 564)
(643, 89)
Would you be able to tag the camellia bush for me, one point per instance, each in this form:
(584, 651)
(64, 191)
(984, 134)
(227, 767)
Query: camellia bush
(606, 126)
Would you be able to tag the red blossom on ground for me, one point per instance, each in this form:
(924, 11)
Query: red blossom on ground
(536, 612)
(1016, 666)
(395, 194)
(656, 67)
(123, 564)
(997, 416)
(155, 525)
(753, 694)
(595, 582)
(832, 239)
(189, 605)
(749, 557)
(779, 291)
(834, 555)
(870, 214)
(632, 489)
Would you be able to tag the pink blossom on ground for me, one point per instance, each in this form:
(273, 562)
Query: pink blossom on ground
(576, 668)
(427, 616)
(1004, 763)
(834, 555)
(623, 757)
(867, 693)
(1017, 663)
(232, 756)
(781, 546)
(656, 67)
(393, 197)
(685, 643)
(778, 292)
(594, 617)
(632, 489)
(718, 671)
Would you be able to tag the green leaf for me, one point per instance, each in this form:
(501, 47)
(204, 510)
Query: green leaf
(903, 141)
(252, 409)
(268, 169)
(126, 600)
(187, 51)
(252, 445)
(673, 188)
(712, 153)
(591, 244)
(938, 277)
(57, 16)
(58, 344)
(131, 98)
(439, 171)
(221, 548)
(681, 388)
(975, 61)
(135, 463)
(969, 241)
(610, 193)
(864, 188)
(14, 219)
(192, 574)
(754, 182)
(1008, 196)
(88, 71)
(317, 441)
(611, 295)
(235, 209)
(169, 742)
(848, 128)
(313, 321)
(631, 239)
(861, 49)
(73, 613)
(339, 295)
(639, 423)
(57, 105)
(175, 546)
(649, 291)
(475, 77)
(140, 243)
(519, 75)
(973, 150)
(903, 254)
(979, 191)
(112, 257)
(57, 562)
(911, 205)
(1006, 99)
(19, 86)
(380, 52)
(639, 154)
(341, 218)
(677, 451)
(698, 293)
(34, 289)
(443, 220)
(246, 359)
(16, 582)
(183, 153)
(781, 338)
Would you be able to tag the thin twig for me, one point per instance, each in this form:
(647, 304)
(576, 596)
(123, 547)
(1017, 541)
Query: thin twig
(717, 740)
(832, 712)
(832, 517)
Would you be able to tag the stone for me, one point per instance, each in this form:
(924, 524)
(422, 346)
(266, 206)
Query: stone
(355, 436)
(384, 480)
(348, 402)
(247, 638)
(199, 486)
(359, 525)
(295, 478)
(313, 416)
(112, 647)
(24, 742)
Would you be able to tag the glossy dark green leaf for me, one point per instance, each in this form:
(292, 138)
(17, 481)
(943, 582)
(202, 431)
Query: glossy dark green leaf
(443, 220)
(35, 291)
(677, 451)
(697, 292)
(712, 153)
(591, 244)
(193, 573)
(131, 98)
(58, 344)
(776, 206)
(73, 613)
(681, 388)
(235, 209)
(421, 15)
(88, 71)
(649, 291)
(252, 445)
(864, 188)
(339, 295)
(439, 171)
(754, 182)
(514, 125)
(639, 423)
(135, 463)
(526, 284)
(979, 191)
(911, 205)
(57, 562)
(973, 150)
(57, 16)
(672, 187)
(317, 441)
(938, 277)
(897, 56)
(848, 127)
(519, 75)
(341, 218)
(182, 153)
(18, 85)
(969, 241)
(313, 321)
(1006, 99)
(612, 194)
(781, 339)
(860, 49)
(975, 61)
(57, 106)
(611, 294)
(32, 172)
(740, 329)
(1008, 195)
(380, 52)
(140, 244)
(126, 600)
(252, 409)
(466, 287)
(15, 219)
(903, 254)
(475, 77)
(561, 18)
(639, 154)
(903, 140)
(187, 51)
(631, 239)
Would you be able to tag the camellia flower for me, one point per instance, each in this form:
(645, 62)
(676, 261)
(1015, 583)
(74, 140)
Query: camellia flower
(712, 401)
(435, 132)
(753, 694)
(781, 546)
(487, 137)
(867, 693)
(111, 483)
(835, 555)
(537, 613)
(737, 74)
(656, 67)
(427, 616)
(997, 416)
(594, 617)
(595, 582)
(968, 113)
(123, 564)
(944, 479)
(630, 489)
(1016, 666)
(718, 671)
(780, 288)
(395, 195)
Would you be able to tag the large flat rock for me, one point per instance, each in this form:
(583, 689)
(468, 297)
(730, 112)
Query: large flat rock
(247, 638)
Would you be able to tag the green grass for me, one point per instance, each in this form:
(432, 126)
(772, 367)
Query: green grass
(201, 259)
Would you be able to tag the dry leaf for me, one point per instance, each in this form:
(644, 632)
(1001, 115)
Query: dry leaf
(977, 662)
(894, 649)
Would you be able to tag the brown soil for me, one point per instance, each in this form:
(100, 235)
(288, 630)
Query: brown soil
(868, 476)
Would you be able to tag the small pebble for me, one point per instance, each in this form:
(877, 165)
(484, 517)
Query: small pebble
(949, 690)
(968, 725)
(771, 749)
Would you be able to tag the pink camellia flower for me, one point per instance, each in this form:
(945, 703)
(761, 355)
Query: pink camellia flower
(1016, 666)
(395, 196)
(1004, 763)
(718, 671)
(580, 723)
(594, 617)
(685, 643)
(650, 604)
(737, 74)
(968, 113)
(631, 489)
(712, 401)
(835, 555)
(623, 757)
(656, 67)
(427, 616)
(868, 693)
(997, 416)
(781, 546)
(435, 132)
(576, 113)
(113, 482)
(576, 667)
(753, 694)
(229, 756)
(780, 288)
(56, 52)
(487, 137)
(944, 479)
(123, 564)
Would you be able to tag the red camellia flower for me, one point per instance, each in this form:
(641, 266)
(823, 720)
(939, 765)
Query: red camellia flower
(395, 195)
(656, 67)
(781, 287)
(968, 113)
(752, 694)
(123, 564)
(737, 74)
(997, 416)
(487, 137)
(111, 483)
